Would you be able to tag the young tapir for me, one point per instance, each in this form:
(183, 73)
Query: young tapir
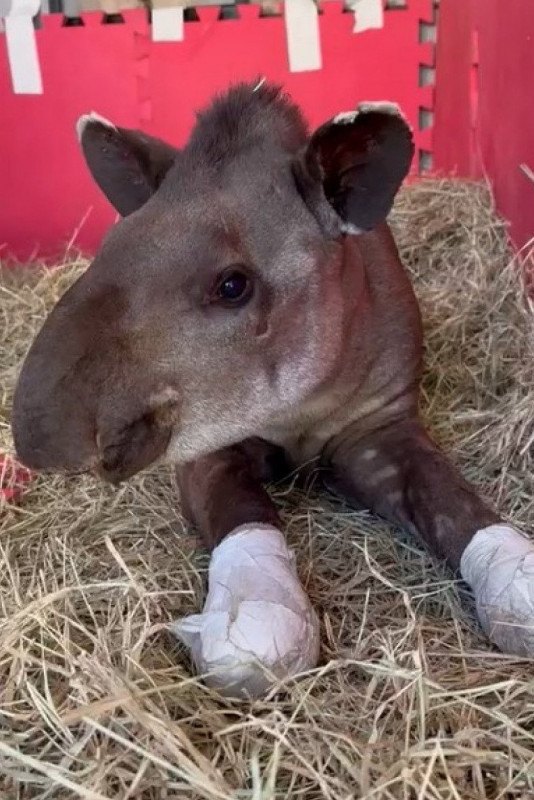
(251, 310)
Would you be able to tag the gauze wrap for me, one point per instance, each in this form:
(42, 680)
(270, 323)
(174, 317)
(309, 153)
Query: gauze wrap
(498, 565)
(257, 621)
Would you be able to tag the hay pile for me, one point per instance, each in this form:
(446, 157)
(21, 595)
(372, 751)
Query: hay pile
(97, 701)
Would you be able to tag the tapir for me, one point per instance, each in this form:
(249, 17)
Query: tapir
(250, 314)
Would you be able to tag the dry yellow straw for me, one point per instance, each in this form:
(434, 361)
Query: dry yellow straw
(97, 701)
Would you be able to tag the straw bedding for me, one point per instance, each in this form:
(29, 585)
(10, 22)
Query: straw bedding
(97, 700)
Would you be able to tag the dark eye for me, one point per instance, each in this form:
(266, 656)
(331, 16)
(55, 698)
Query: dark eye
(234, 287)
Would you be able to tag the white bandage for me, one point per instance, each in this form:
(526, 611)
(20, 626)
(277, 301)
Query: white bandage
(498, 565)
(257, 621)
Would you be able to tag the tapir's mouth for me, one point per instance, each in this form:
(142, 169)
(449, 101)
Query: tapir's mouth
(98, 437)
(137, 445)
(97, 467)
(116, 455)
(83, 403)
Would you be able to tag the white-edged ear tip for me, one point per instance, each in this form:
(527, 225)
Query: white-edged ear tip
(384, 106)
(345, 117)
(368, 107)
(86, 119)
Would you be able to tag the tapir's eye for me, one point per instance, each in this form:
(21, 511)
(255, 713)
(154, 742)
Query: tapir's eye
(234, 287)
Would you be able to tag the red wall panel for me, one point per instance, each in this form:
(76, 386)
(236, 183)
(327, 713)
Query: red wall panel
(484, 122)
(45, 190)
(377, 64)
(454, 101)
(505, 124)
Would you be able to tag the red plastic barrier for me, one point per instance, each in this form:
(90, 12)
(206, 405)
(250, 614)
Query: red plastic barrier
(118, 71)
(455, 95)
(506, 109)
(484, 112)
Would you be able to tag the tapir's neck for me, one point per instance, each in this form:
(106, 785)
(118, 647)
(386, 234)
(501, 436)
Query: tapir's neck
(382, 343)
(372, 315)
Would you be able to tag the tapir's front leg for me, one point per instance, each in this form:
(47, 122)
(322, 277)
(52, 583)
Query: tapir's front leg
(257, 621)
(222, 491)
(400, 474)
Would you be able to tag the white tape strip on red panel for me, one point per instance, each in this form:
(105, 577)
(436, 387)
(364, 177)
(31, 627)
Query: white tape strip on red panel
(302, 33)
(21, 45)
(167, 21)
(368, 15)
(168, 17)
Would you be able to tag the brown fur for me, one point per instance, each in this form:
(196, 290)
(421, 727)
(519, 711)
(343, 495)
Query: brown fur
(142, 358)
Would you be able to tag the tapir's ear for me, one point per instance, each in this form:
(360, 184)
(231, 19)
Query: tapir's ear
(361, 159)
(127, 165)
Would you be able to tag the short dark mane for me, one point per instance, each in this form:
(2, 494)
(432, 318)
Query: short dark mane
(245, 116)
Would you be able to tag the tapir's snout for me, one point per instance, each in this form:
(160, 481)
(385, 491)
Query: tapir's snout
(84, 401)
(54, 417)
(48, 433)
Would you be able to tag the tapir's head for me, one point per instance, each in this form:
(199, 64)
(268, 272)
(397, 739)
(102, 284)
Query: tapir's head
(211, 309)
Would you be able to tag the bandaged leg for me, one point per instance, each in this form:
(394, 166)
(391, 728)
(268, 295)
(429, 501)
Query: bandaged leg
(498, 565)
(398, 472)
(257, 624)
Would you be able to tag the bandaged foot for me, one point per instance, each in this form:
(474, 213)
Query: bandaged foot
(257, 621)
(498, 565)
